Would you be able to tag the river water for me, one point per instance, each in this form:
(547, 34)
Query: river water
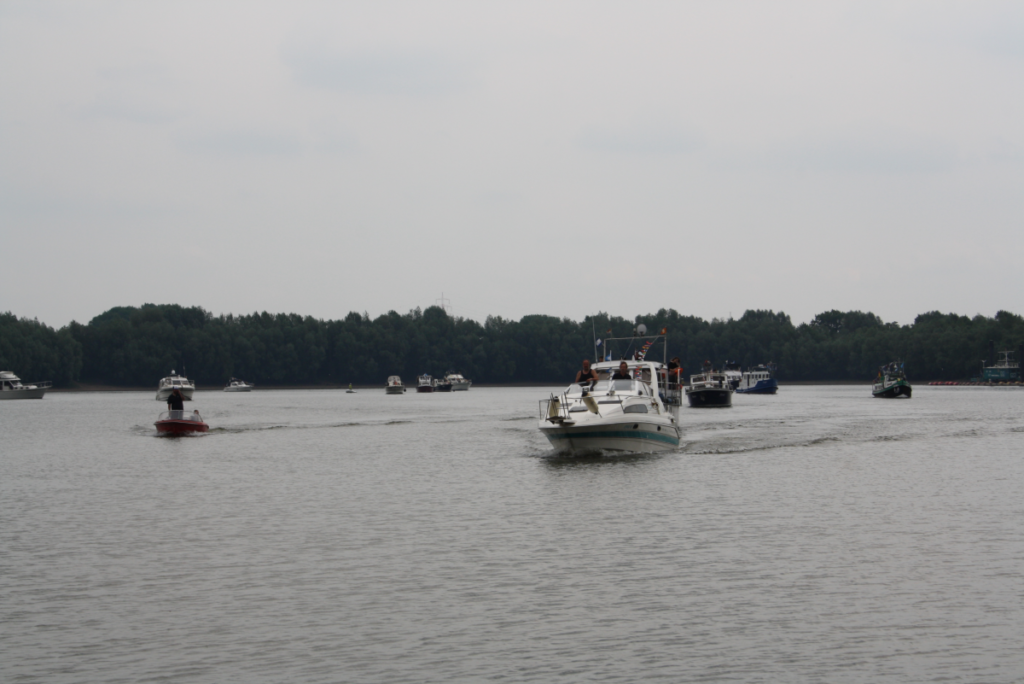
(819, 535)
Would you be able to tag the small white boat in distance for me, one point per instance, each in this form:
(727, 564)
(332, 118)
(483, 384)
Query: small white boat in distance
(236, 385)
(173, 382)
(458, 383)
(11, 387)
(394, 385)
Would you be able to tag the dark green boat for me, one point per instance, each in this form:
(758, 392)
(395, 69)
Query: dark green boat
(891, 382)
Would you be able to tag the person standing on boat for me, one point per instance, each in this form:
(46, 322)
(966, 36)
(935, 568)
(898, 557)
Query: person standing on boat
(176, 402)
(675, 371)
(623, 372)
(586, 375)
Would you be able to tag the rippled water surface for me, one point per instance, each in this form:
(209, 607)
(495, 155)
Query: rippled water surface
(315, 536)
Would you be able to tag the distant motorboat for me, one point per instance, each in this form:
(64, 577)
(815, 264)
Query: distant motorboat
(173, 382)
(394, 385)
(710, 389)
(11, 387)
(236, 385)
(457, 382)
(426, 384)
(758, 380)
(733, 373)
(442, 385)
(180, 423)
(1005, 369)
(891, 382)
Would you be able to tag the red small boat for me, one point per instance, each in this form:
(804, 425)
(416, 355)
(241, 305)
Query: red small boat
(180, 423)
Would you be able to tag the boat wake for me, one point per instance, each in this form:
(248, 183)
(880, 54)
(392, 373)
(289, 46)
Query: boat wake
(702, 448)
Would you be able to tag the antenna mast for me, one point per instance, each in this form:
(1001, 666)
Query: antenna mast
(444, 299)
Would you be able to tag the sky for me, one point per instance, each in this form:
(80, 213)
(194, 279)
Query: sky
(519, 158)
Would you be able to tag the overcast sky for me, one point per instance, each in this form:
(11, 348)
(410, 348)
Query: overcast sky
(557, 158)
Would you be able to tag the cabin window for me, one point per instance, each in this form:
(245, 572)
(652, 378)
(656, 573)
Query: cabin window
(635, 408)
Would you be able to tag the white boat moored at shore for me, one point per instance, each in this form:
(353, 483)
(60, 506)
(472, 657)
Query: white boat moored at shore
(457, 382)
(12, 388)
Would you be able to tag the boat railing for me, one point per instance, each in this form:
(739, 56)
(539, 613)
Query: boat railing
(181, 415)
(556, 408)
(673, 395)
(38, 384)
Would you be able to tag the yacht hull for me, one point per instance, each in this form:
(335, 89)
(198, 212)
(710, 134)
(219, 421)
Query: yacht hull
(180, 427)
(425, 389)
(711, 397)
(893, 392)
(247, 388)
(394, 390)
(762, 387)
(637, 437)
(461, 386)
(36, 393)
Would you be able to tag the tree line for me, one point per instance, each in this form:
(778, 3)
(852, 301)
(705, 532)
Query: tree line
(135, 346)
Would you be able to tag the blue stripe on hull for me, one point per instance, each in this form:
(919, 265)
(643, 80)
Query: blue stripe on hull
(618, 434)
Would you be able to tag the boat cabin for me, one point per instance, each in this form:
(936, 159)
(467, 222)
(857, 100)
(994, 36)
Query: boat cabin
(9, 381)
(174, 380)
(649, 379)
(710, 379)
(754, 374)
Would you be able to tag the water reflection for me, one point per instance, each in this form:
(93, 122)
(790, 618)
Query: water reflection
(562, 460)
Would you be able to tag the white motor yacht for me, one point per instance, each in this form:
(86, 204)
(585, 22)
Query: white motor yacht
(394, 385)
(173, 382)
(457, 382)
(236, 385)
(733, 373)
(639, 414)
(11, 387)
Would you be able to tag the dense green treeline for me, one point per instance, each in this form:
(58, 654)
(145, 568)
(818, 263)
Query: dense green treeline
(34, 351)
(135, 346)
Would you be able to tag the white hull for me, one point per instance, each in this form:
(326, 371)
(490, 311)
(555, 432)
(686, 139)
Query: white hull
(186, 393)
(637, 436)
(461, 386)
(239, 388)
(394, 390)
(36, 393)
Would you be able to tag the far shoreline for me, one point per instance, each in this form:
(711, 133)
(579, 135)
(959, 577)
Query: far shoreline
(87, 387)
